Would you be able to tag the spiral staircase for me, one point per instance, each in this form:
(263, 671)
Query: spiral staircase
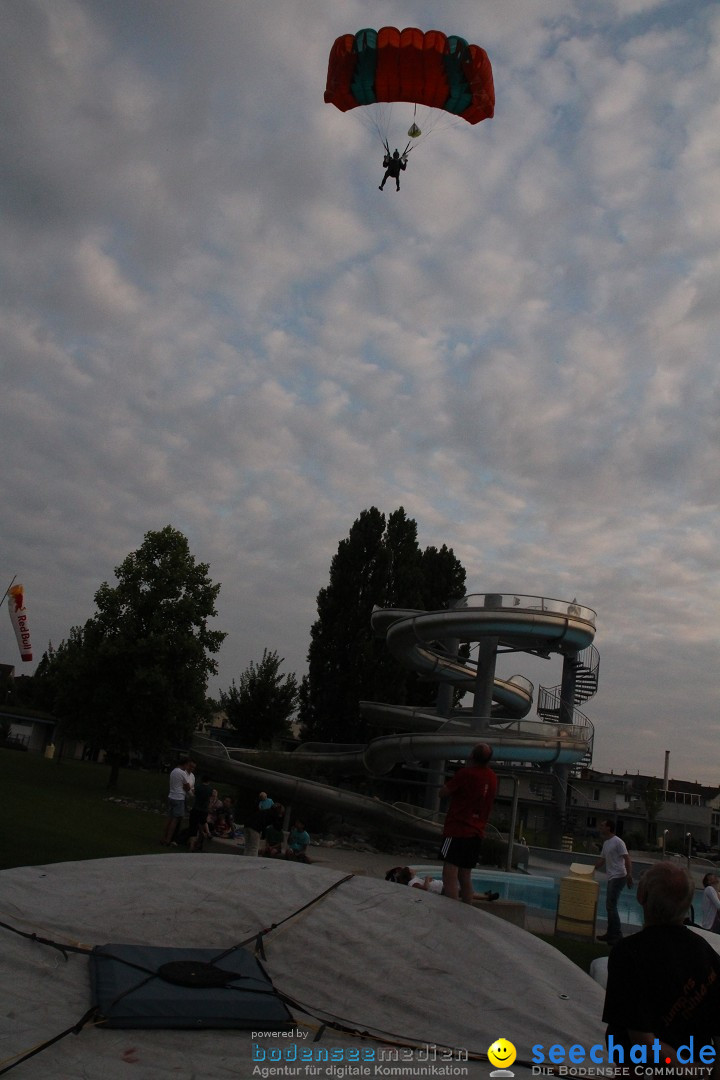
(550, 704)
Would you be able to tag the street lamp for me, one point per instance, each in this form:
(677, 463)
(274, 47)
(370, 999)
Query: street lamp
(664, 840)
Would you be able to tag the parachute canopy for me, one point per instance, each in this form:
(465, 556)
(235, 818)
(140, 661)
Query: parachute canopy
(410, 65)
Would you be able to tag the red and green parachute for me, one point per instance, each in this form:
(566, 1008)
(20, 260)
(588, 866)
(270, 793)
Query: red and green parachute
(429, 69)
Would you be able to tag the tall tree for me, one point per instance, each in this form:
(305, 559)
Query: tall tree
(653, 798)
(134, 678)
(259, 708)
(379, 564)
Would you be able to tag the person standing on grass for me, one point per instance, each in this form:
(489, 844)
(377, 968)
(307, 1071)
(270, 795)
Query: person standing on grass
(181, 784)
(618, 867)
(204, 792)
(256, 822)
(472, 793)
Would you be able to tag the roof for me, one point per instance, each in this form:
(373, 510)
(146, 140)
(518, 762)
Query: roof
(26, 716)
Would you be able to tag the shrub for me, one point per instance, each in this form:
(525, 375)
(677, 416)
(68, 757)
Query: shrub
(493, 852)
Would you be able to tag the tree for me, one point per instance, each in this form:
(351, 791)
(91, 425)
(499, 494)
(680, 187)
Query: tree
(380, 563)
(133, 680)
(260, 707)
(653, 799)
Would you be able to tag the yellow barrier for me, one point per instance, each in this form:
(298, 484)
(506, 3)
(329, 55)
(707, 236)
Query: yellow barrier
(577, 907)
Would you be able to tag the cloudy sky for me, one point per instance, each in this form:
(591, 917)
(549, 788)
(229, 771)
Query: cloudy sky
(210, 317)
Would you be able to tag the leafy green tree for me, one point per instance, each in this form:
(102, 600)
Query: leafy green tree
(653, 799)
(379, 564)
(133, 679)
(64, 682)
(259, 708)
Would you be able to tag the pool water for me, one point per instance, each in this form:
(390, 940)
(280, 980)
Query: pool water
(532, 889)
(541, 892)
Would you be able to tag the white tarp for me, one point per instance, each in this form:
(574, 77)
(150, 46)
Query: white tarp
(408, 966)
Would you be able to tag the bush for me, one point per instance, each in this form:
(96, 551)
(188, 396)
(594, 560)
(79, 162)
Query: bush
(635, 841)
(493, 852)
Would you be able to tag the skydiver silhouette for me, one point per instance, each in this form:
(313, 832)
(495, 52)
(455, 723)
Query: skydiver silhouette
(393, 166)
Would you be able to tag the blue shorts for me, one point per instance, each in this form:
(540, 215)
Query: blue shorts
(176, 808)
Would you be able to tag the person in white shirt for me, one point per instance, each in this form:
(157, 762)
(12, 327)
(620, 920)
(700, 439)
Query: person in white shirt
(618, 867)
(405, 875)
(181, 784)
(710, 919)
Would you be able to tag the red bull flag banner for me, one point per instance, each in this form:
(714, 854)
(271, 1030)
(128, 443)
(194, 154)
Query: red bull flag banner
(19, 619)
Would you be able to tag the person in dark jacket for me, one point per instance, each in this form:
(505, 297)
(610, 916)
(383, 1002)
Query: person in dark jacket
(393, 165)
(662, 1001)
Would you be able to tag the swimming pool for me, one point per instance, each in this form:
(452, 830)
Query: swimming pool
(534, 890)
(540, 892)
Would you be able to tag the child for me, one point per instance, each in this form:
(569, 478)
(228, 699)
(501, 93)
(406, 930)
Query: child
(298, 841)
(273, 841)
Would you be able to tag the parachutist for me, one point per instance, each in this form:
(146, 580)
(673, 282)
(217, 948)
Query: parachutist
(393, 165)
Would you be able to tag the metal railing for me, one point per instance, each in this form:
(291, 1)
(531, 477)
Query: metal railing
(550, 703)
(519, 602)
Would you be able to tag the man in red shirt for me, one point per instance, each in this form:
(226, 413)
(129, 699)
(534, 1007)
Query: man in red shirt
(472, 793)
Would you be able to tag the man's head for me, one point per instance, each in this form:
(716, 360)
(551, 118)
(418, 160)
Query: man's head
(396, 153)
(710, 879)
(607, 828)
(665, 893)
(480, 754)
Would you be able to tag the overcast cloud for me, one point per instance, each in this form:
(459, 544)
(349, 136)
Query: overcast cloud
(210, 317)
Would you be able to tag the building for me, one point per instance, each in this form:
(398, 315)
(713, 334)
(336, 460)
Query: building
(657, 811)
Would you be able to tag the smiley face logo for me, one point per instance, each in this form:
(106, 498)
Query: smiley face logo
(502, 1053)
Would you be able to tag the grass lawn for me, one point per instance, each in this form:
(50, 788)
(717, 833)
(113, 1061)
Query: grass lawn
(581, 953)
(60, 811)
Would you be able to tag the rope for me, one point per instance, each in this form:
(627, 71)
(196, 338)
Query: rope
(74, 1030)
(351, 1027)
(260, 934)
(64, 949)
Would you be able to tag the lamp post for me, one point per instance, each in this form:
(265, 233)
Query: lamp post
(664, 841)
(688, 838)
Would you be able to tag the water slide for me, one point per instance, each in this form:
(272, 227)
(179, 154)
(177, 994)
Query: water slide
(427, 643)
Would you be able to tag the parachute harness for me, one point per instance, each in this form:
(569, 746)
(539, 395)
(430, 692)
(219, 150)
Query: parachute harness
(403, 156)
